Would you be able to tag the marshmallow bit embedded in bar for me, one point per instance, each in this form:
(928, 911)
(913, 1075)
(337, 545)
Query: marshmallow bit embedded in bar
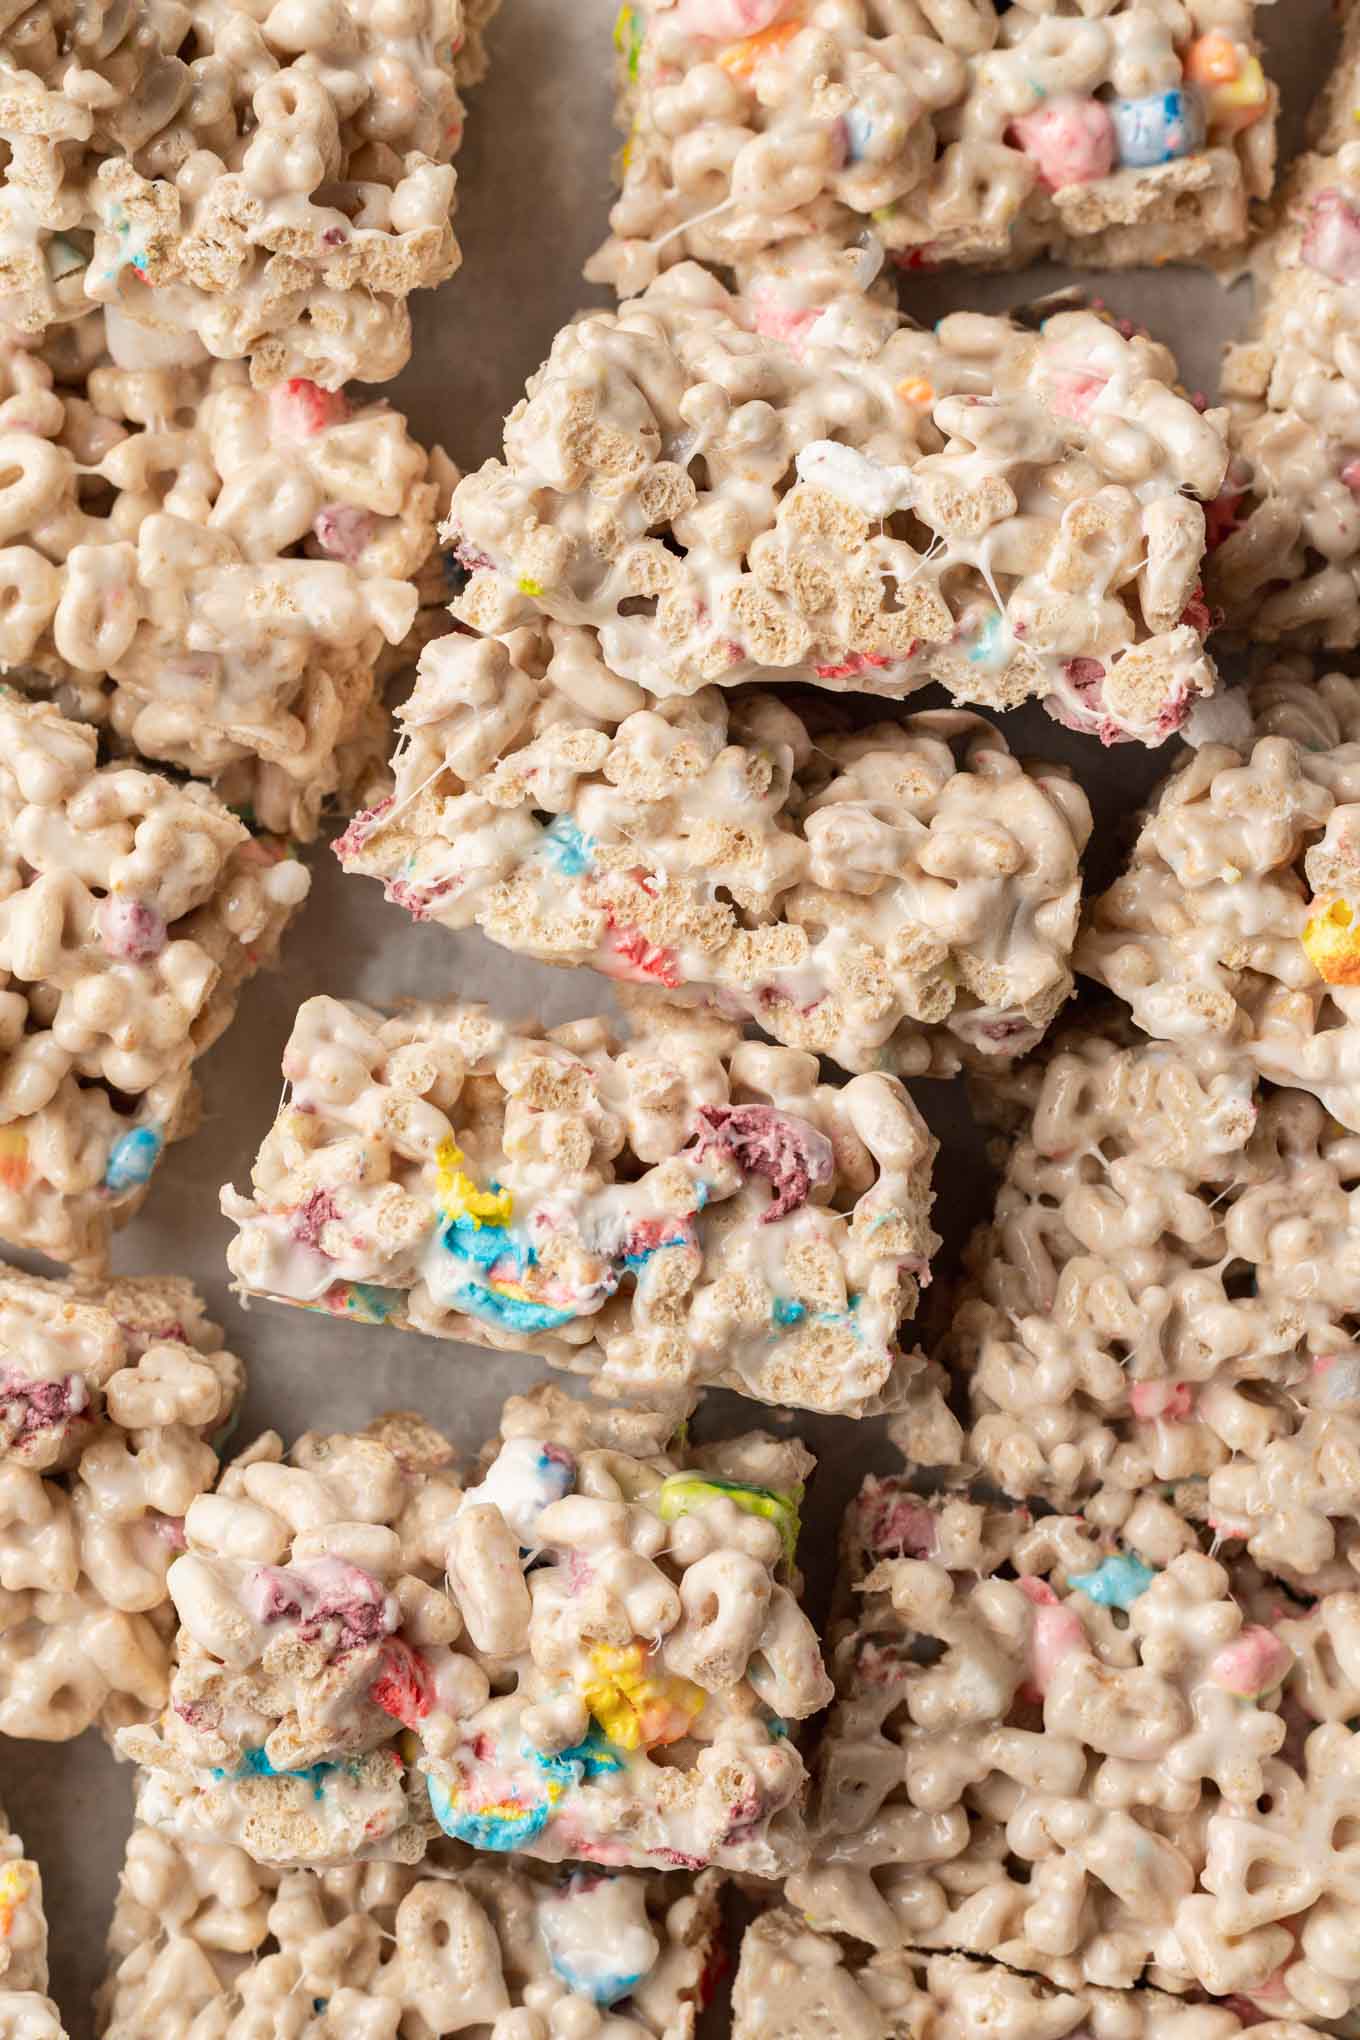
(899, 895)
(591, 1649)
(662, 1211)
(25, 2012)
(728, 488)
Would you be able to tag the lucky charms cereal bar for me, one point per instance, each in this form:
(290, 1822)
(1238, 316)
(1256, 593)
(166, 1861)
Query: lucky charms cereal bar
(273, 181)
(1005, 508)
(591, 1651)
(212, 571)
(660, 1213)
(132, 909)
(891, 894)
(109, 1404)
(205, 1939)
(1104, 132)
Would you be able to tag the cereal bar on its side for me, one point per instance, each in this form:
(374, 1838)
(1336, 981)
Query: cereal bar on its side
(211, 572)
(201, 1932)
(795, 1984)
(26, 2013)
(892, 895)
(1097, 1761)
(276, 193)
(593, 1652)
(661, 1213)
(1233, 932)
(1005, 508)
(109, 1402)
(132, 909)
(977, 132)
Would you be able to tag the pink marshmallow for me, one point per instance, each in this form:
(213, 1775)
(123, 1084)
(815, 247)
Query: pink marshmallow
(1252, 1663)
(1073, 394)
(342, 530)
(1331, 244)
(726, 20)
(1056, 1633)
(1170, 1399)
(298, 408)
(1071, 140)
(129, 929)
(1350, 475)
(782, 322)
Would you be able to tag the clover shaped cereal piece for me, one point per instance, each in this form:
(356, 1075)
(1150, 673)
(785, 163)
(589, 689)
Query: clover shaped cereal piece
(894, 896)
(970, 132)
(276, 188)
(1230, 931)
(457, 1941)
(657, 1211)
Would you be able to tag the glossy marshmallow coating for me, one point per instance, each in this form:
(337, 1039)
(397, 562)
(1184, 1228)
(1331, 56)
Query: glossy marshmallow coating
(132, 909)
(659, 1213)
(861, 504)
(595, 1597)
(1113, 133)
(109, 1401)
(203, 1939)
(248, 561)
(267, 181)
(25, 2012)
(892, 895)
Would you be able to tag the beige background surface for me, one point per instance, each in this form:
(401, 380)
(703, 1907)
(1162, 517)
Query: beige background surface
(534, 183)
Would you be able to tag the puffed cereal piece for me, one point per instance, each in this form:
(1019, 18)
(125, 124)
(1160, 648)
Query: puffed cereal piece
(201, 1933)
(110, 1399)
(794, 1984)
(889, 896)
(213, 572)
(1158, 1317)
(1121, 133)
(1230, 933)
(1101, 1764)
(274, 190)
(132, 910)
(660, 1213)
(597, 1595)
(993, 506)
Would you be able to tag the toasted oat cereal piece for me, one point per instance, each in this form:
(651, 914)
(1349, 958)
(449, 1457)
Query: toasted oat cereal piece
(202, 1934)
(1231, 931)
(262, 182)
(1159, 1318)
(992, 506)
(886, 895)
(1100, 1763)
(109, 1399)
(795, 1984)
(132, 910)
(211, 571)
(1119, 132)
(661, 1213)
(597, 1595)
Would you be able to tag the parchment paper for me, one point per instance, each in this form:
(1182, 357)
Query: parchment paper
(534, 186)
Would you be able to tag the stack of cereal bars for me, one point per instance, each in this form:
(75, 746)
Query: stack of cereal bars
(441, 1735)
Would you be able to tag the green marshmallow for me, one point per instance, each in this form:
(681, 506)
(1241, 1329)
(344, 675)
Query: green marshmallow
(681, 1492)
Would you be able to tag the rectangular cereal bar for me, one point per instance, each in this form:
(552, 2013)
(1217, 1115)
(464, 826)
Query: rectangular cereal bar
(660, 1212)
(132, 909)
(250, 182)
(734, 489)
(1099, 1760)
(1112, 134)
(892, 895)
(213, 572)
(592, 1650)
(200, 1932)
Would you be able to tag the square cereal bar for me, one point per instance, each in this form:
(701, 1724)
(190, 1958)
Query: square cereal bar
(132, 909)
(109, 1401)
(200, 1933)
(731, 489)
(661, 1213)
(892, 895)
(593, 1650)
(1232, 931)
(1109, 134)
(794, 1984)
(1094, 1763)
(25, 2013)
(272, 182)
(212, 571)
